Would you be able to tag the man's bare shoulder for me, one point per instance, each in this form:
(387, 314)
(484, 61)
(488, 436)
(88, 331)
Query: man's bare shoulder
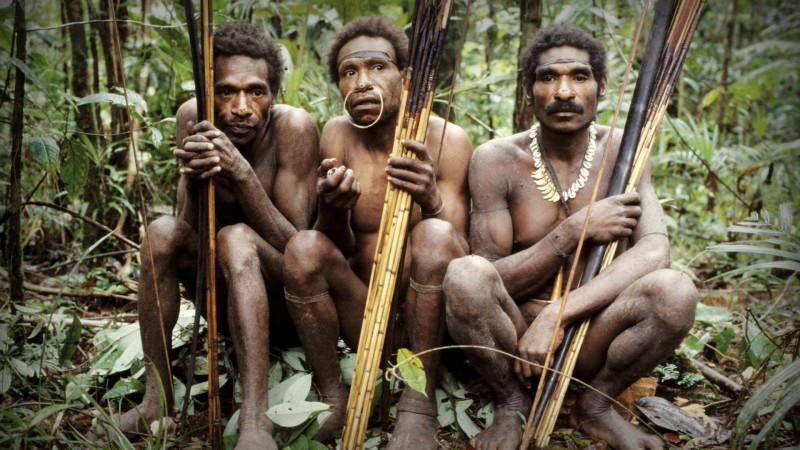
(334, 134)
(602, 136)
(292, 119)
(499, 152)
(186, 112)
(456, 140)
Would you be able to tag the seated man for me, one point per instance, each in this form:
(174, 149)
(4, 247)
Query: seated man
(262, 157)
(523, 227)
(327, 270)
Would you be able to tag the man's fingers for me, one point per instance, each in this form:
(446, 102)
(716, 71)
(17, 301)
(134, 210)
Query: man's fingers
(347, 181)
(410, 164)
(183, 154)
(418, 148)
(630, 198)
(211, 172)
(203, 164)
(326, 165)
(633, 211)
(406, 175)
(411, 188)
(203, 126)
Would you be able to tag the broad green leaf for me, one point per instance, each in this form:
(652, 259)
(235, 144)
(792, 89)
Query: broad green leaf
(348, 366)
(298, 391)
(44, 151)
(712, 314)
(277, 393)
(23, 369)
(74, 172)
(289, 415)
(124, 386)
(295, 359)
(134, 99)
(411, 370)
(445, 414)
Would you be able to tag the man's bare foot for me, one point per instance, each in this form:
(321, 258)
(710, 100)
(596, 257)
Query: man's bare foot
(505, 432)
(335, 421)
(135, 421)
(255, 433)
(600, 421)
(414, 431)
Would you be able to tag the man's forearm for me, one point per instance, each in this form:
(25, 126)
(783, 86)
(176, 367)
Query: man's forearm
(527, 272)
(335, 223)
(649, 254)
(260, 212)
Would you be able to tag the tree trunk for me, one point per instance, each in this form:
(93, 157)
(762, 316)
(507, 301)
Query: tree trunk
(14, 242)
(488, 51)
(730, 24)
(530, 19)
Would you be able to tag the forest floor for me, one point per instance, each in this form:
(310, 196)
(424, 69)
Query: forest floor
(72, 352)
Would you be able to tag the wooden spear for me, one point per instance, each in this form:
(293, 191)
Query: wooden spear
(205, 284)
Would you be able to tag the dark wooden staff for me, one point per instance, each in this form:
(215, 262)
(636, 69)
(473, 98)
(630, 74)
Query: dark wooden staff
(205, 283)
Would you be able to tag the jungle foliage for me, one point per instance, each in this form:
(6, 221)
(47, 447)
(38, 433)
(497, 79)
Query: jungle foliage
(723, 166)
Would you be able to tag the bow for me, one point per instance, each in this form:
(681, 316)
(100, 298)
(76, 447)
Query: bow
(205, 283)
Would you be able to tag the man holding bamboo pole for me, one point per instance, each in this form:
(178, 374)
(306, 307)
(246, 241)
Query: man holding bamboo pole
(262, 156)
(327, 270)
(530, 194)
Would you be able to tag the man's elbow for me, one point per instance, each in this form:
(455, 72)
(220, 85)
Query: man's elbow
(657, 252)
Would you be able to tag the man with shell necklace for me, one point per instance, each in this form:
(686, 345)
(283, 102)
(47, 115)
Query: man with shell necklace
(327, 270)
(530, 193)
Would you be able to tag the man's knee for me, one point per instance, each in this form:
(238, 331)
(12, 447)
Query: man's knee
(236, 251)
(467, 288)
(673, 298)
(434, 243)
(164, 237)
(305, 256)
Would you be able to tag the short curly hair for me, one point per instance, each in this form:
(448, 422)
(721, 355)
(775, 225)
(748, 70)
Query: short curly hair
(242, 38)
(374, 26)
(557, 36)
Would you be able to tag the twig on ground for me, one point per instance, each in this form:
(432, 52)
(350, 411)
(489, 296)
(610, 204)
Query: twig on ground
(718, 378)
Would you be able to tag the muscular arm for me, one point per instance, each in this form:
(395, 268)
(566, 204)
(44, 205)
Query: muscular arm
(451, 176)
(492, 236)
(187, 193)
(332, 221)
(649, 252)
(297, 154)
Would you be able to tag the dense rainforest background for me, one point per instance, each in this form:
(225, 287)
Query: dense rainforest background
(82, 167)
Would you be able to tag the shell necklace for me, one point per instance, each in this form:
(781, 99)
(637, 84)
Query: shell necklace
(543, 178)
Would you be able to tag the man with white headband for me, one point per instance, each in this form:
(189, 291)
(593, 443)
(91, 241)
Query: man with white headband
(327, 269)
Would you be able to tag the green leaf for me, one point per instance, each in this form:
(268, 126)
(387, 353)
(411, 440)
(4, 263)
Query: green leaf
(71, 341)
(44, 151)
(298, 391)
(760, 398)
(289, 414)
(710, 97)
(756, 249)
(712, 314)
(22, 368)
(411, 370)
(27, 71)
(124, 386)
(134, 99)
(6, 377)
(74, 172)
(46, 412)
(464, 422)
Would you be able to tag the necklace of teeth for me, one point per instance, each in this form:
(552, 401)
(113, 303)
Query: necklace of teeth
(541, 176)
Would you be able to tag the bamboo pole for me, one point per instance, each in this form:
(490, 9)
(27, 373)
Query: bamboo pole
(429, 22)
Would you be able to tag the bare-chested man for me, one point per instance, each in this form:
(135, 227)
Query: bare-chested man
(641, 310)
(263, 159)
(327, 270)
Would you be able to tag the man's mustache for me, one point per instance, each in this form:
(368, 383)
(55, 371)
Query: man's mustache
(562, 106)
